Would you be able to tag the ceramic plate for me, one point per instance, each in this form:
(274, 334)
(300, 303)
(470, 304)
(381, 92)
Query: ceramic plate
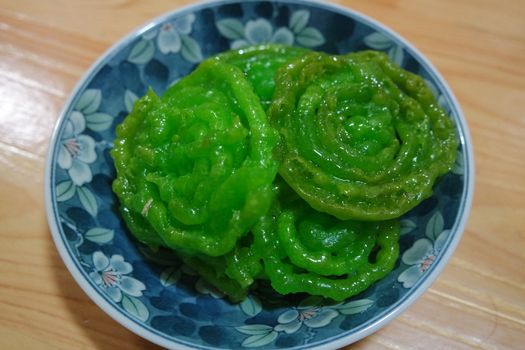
(150, 293)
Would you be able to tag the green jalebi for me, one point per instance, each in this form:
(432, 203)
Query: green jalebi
(361, 138)
(260, 63)
(195, 167)
(323, 271)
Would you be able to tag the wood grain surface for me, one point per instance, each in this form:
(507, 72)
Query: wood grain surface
(479, 47)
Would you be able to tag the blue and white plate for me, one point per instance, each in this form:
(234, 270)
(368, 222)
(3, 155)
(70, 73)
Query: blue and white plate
(148, 291)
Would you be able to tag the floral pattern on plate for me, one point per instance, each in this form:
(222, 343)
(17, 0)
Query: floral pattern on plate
(261, 31)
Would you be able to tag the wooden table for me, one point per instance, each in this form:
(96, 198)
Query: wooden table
(478, 45)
